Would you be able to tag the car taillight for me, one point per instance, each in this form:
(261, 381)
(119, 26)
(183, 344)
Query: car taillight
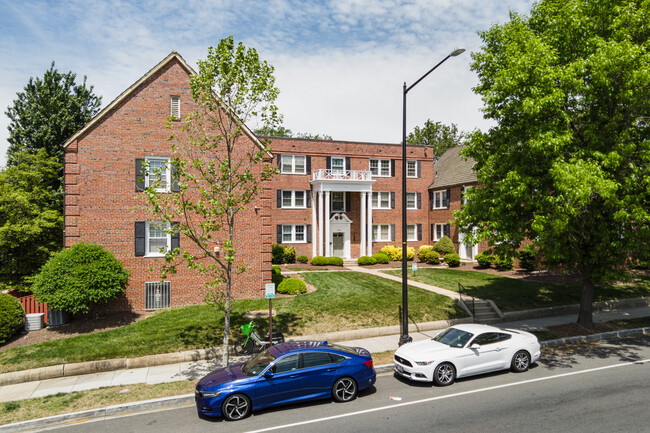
(369, 363)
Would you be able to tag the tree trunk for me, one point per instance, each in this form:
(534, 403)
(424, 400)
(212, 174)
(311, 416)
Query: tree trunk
(585, 317)
(226, 334)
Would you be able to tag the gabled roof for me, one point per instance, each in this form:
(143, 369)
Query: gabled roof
(172, 56)
(451, 169)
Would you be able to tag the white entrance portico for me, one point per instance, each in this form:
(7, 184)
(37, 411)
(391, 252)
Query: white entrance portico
(335, 227)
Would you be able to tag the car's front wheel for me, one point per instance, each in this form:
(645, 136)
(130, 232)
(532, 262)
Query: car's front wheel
(444, 374)
(236, 407)
(344, 389)
(520, 362)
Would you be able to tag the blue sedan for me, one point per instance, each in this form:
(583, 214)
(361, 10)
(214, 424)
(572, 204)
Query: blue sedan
(285, 373)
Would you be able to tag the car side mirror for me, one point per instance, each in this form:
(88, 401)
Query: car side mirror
(475, 346)
(268, 373)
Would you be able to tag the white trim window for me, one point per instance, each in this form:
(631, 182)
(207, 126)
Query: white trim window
(440, 200)
(411, 232)
(175, 107)
(158, 240)
(293, 199)
(294, 164)
(411, 200)
(338, 201)
(338, 164)
(411, 169)
(381, 200)
(441, 230)
(380, 167)
(158, 174)
(381, 233)
(293, 233)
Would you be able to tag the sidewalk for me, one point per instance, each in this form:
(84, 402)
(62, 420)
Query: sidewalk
(197, 369)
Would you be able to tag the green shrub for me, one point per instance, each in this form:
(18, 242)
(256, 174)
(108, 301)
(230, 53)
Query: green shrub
(452, 260)
(444, 246)
(422, 252)
(366, 261)
(276, 275)
(292, 286)
(528, 258)
(76, 278)
(484, 260)
(277, 254)
(381, 258)
(289, 255)
(302, 259)
(276, 269)
(504, 263)
(11, 317)
(432, 257)
(326, 261)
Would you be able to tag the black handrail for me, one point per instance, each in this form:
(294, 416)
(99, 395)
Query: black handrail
(463, 291)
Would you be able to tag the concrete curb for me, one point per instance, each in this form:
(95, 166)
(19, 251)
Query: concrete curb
(90, 367)
(597, 337)
(188, 399)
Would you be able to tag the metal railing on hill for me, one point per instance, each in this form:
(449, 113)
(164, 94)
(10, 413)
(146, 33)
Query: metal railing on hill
(469, 303)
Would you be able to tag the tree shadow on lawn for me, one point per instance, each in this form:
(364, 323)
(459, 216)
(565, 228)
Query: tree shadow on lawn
(211, 334)
(623, 349)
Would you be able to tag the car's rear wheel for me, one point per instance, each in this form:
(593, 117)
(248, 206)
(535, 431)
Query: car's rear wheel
(344, 389)
(520, 361)
(444, 374)
(236, 407)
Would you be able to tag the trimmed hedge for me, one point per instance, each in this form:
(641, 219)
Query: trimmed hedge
(432, 257)
(422, 252)
(302, 259)
(366, 261)
(292, 286)
(381, 258)
(452, 260)
(503, 263)
(484, 260)
(277, 254)
(289, 255)
(276, 276)
(79, 277)
(11, 317)
(326, 261)
(444, 246)
(528, 258)
(395, 253)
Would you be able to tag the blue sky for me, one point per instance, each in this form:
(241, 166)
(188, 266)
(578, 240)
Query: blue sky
(340, 65)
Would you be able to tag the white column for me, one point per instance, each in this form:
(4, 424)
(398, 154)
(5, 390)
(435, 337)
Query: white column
(328, 252)
(313, 226)
(364, 230)
(320, 223)
(369, 250)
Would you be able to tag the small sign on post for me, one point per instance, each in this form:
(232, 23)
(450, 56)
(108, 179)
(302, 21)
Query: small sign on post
(269, 291)
(415, 268)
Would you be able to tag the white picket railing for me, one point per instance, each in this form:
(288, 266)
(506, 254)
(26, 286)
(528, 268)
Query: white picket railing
(324, 174)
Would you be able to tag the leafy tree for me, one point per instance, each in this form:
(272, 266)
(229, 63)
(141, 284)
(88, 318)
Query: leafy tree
(47, 112)
(281, 131)
(310, 136)
(218, 170)
(79, 277)
(437, 135)
(30, 216)
(568, 162)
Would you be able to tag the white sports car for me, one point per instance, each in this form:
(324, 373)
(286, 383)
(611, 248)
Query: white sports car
(465, 350)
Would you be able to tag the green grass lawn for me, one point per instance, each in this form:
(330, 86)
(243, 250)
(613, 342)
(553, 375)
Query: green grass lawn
(511, 294)
(344, 300)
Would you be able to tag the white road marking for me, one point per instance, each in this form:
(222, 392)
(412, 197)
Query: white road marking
(442, 397)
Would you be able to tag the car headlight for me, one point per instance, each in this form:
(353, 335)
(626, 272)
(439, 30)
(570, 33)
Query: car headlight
(423, 363)
(204, 394)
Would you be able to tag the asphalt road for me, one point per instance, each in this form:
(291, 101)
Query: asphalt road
(602, 387)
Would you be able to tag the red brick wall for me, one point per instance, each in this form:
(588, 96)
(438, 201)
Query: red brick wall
(360, 154)
(101, 204)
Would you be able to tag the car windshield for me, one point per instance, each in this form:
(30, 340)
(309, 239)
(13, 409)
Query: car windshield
(257, 363)
(453, 337)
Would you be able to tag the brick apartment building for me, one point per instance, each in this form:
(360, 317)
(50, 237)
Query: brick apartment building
(331, 198)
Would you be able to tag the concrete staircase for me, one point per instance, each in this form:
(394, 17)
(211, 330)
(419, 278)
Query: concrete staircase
(485, 311)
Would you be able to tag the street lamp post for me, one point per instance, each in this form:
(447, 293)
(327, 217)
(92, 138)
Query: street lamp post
(405, 338)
